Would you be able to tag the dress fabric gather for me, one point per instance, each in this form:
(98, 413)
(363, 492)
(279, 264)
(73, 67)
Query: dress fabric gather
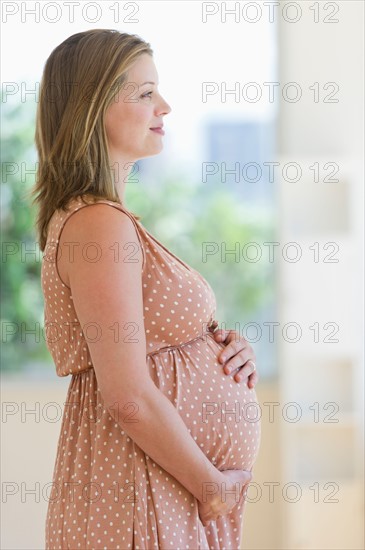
(106, 492)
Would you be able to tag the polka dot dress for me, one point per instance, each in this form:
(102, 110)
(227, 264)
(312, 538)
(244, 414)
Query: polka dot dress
(106, 492)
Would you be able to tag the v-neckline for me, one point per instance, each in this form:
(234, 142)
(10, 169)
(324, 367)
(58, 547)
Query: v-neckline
(188, 267)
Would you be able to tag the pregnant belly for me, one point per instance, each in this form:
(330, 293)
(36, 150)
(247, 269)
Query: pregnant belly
(223, 416)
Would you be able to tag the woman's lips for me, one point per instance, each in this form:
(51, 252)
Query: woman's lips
(158, 131)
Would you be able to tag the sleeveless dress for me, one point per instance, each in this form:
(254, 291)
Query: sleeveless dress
(106, 493)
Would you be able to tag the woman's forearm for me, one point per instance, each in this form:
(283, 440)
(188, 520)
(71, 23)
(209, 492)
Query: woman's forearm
(154, 424)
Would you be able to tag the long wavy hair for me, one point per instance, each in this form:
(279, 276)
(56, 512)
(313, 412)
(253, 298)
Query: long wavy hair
(81, 78)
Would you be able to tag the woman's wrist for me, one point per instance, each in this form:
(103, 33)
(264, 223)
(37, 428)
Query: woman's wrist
(211, 487)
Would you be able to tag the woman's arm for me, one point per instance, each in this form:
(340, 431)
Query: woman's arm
(108, 293)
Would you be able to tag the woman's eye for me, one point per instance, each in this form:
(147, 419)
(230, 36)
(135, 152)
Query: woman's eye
(147, 94)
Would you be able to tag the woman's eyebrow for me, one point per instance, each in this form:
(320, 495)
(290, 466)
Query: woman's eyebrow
(144, 83)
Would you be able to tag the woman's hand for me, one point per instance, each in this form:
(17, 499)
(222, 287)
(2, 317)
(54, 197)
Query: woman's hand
(229, 493)
(243, 359)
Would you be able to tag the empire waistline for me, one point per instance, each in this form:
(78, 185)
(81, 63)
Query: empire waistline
(209, 331)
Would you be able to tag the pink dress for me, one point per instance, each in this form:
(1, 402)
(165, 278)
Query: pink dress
(106, 492)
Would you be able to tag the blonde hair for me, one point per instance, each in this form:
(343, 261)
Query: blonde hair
(70, 135)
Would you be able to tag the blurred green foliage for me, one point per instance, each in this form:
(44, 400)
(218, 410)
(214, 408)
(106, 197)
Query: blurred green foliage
(23, 343)
(191, 218)
(184, 215)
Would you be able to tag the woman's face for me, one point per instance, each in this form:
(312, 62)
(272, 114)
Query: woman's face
(135, 110)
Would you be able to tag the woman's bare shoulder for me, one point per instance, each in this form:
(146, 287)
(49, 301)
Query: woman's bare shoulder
(97, 229)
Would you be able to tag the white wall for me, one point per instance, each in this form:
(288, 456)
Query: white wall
(312, 292)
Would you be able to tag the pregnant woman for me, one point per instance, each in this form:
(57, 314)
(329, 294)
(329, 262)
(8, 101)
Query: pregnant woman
(158, 438)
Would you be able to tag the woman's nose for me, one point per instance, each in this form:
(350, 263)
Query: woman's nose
(165, 108)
